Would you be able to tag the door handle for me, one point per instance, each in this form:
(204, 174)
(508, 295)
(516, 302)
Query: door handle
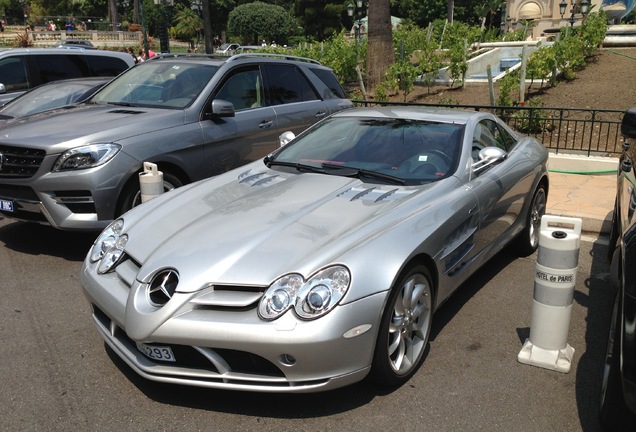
(321, 114)
(266, 124)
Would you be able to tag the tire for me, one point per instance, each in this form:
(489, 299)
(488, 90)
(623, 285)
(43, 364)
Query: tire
(528, 240)
(614, 232)
(404, 329)
(614, 414)
(131, 195)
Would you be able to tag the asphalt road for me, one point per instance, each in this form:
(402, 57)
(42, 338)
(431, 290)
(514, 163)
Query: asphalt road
(56, 373)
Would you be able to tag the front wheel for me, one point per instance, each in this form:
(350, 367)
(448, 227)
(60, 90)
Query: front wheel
(404, 329)
(131, 195)
(528, 240)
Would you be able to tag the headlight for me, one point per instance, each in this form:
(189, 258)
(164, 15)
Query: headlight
(310, 299)
(87, 156)
(109, 246)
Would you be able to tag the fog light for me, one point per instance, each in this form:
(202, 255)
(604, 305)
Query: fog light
(287, 359)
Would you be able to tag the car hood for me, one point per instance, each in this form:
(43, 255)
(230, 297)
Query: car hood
(60, 129)
(252, 225)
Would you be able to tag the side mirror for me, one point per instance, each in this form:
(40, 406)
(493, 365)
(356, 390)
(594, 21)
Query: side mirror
(3, 89)
(488, 157)
(285, 138)
(222, 108)
(628, 125)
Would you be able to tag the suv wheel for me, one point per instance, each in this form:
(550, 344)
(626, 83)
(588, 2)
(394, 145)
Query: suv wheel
(131, 195)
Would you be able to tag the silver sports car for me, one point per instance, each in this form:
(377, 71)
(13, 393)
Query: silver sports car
(322, 263)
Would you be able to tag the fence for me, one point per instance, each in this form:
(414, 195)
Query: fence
(561, 130)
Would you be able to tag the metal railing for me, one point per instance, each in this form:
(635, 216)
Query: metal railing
(561, 130)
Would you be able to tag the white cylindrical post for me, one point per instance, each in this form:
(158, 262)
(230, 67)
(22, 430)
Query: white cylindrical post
(554, 282)
(150, 182)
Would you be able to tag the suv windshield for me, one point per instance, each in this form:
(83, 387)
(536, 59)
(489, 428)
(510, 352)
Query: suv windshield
(157, 84)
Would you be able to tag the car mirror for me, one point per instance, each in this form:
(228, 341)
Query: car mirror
(3, 89)
(628, 125)
(222, 108)
(488, 157)
(285, 138)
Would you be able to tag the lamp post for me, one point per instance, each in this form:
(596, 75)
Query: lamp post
(584, 7)
(197, 6)
(357, 23)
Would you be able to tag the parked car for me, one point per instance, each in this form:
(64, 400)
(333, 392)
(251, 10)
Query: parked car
(227, 48)
(22, 69)
(55, 94)
(618, 396)
(322, 262)
(75, 43)
(193, 116)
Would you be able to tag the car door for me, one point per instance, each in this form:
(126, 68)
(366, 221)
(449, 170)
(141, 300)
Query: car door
(502, 188)
(296, 102)
(251, 133)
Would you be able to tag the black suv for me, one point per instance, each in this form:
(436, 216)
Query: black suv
(194, 116)
(24, 68)
(618, 396)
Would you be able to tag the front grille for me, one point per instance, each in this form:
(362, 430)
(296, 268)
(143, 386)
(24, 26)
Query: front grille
(24, 193)
(19, 162)
(188, 357)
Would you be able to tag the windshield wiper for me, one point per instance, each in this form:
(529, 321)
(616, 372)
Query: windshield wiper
(360, 172)
(298, 166)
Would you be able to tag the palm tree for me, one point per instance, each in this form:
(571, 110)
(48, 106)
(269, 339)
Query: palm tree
(380, 53)
(189, 24)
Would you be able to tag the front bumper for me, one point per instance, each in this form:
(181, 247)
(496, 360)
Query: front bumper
(74, 200)
(225, 348)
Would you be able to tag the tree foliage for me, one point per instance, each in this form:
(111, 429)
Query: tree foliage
(252, 22)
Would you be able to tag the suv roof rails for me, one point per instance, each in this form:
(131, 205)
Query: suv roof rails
(194, 55)
(264, 54)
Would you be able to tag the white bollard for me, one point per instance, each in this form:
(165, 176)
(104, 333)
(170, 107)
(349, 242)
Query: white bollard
(150, 182)
(555, 278)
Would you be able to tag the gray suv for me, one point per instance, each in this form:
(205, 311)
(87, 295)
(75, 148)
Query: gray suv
(195, 116)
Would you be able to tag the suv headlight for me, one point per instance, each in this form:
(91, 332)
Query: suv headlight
(109, 246)
(310, 299)
(87, 156)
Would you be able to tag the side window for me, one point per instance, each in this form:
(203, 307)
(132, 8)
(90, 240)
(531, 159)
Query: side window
(489, 134)
(244, 89)
(105, 66)
(13, 73)
(57, 67)
(330, 81)
(287, 84)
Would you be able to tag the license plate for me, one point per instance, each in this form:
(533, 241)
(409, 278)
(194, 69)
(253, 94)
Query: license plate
(159, 353)
(6, 205)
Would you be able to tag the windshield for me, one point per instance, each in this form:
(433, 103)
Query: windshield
(157, 84)
(49, 96)
(391, 150)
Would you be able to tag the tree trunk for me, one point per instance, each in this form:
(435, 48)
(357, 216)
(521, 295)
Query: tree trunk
(380, 52)
(450, 6)
(207, 28)
(112, 14)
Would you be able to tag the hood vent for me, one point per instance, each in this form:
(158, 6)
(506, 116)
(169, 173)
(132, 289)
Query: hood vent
(374, 194)
(255, 178)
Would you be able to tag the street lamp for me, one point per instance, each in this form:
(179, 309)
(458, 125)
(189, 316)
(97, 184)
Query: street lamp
(358, 9)
(197, 6)
(584, 7)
